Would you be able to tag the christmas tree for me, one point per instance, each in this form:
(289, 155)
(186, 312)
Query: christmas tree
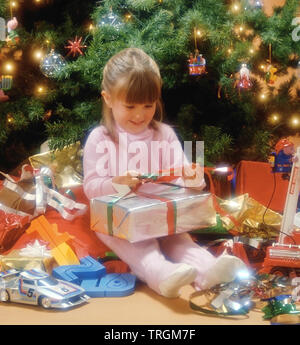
(229, 71)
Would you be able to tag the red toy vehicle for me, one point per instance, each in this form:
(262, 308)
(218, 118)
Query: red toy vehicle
(284, 257)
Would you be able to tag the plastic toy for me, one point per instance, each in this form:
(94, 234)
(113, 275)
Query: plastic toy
(38, 288)
(281, 159)
(284, 257)
(282, 304)
(91, 275)
(60, 250)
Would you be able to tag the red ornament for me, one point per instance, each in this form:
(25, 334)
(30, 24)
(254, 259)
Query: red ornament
(75, 47)
(3, 96)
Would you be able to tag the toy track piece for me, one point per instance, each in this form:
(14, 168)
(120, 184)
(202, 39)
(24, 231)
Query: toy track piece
(91, 275)
(89, 268)
(118, 285)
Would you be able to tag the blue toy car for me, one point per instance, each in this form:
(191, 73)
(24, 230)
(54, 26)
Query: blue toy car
(39, 288)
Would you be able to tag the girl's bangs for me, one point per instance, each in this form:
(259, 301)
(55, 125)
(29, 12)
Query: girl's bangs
(141, 87)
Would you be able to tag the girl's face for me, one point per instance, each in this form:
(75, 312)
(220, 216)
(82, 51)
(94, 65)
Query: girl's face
(134, 118)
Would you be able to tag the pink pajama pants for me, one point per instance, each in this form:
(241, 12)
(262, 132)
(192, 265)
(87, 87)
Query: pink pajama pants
(154, 260)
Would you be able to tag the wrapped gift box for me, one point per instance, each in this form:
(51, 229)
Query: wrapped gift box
(141, 217)
(19, 262)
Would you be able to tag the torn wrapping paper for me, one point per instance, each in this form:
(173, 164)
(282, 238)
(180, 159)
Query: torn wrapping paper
(249, 217)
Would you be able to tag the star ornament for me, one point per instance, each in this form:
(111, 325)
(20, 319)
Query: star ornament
(75, 47)
(35, 250)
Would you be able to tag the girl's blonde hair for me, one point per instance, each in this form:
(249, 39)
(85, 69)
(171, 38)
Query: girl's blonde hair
(132, 74)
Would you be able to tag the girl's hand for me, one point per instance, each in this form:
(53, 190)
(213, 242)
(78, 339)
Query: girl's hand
(130, 178)
(194, 176)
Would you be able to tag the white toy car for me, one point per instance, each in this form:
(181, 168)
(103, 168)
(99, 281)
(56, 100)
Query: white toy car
(39, 288)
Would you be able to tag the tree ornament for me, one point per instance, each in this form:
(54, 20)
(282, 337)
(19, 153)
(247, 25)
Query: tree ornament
(3, 96)
(256, 4)
(12, 37)
(6, 82)
(270, 74)
(52, 64)
(111, 19)
(2, 29)
(244, 81)
(197, 64)
(75, 47)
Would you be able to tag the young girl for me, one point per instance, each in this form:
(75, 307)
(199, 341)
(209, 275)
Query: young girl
(132, 111)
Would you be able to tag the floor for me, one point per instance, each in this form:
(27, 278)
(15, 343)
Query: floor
(144, 307)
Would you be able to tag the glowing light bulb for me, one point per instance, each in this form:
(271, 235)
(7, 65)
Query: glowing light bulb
(40, 89)
(13, 4)
(251, 51)
(274, 118)
(263, 96)
(295, 121)
(198, 33)
(8, 67)
(9, 118)
(38, 54)
(235, 7)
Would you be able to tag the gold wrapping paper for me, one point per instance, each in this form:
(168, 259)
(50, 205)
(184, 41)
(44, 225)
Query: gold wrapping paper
(15, 260)
(66, 165)
(251, 215)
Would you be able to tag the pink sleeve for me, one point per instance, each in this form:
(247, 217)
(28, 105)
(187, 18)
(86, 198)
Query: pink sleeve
(178, 158)
(94, 183)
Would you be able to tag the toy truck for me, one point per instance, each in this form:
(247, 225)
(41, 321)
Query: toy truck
(283, 257)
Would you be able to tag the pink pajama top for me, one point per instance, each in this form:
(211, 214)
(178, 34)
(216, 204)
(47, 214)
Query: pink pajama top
(147, 152)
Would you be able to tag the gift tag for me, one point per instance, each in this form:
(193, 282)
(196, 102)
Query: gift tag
(123, 190)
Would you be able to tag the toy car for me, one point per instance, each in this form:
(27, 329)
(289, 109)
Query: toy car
(39, 288)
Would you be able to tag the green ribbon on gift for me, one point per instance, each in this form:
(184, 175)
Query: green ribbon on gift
(171, 212)
(110, 214)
